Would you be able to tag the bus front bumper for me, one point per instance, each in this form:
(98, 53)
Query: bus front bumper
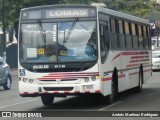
(34, 90)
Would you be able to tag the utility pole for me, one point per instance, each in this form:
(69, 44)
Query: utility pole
(158, 31)
(3, 22)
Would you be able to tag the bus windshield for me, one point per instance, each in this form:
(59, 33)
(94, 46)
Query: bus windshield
(73, 41)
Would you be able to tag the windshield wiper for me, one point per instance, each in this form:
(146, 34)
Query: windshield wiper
(42, 31)
(70, 30)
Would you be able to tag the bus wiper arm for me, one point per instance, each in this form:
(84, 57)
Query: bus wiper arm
(70, 30)
(43, 35)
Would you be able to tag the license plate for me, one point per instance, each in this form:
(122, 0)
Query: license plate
(88, 87)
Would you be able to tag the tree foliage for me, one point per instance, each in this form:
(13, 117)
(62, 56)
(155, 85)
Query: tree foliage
(137, 8)
(140, 8)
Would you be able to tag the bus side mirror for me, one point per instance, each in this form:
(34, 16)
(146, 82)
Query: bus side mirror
(16, 26)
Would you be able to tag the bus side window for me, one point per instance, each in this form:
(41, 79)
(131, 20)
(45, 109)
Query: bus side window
(148, 37)
(113, 34)
(104, 40)
(140, 36)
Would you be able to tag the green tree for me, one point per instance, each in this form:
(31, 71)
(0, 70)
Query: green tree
(13, 7)
(137, 8)
(140, 8)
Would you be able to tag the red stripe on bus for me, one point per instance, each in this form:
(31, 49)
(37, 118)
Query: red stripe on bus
(121, 76)
(77, 91)
(25, 92)
(133, 65)
(55, 92)
(110, 78)
(107, 79)
(142, 60)
(134, 73)
(62, 73)
(136, 65)
(68, 76)
(129, 53)
(66, 92)
(36, 93)
(63, 76)
(97, 91)
(135, 57)
(55, 78)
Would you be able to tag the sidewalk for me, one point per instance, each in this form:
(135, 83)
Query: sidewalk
(14, 71)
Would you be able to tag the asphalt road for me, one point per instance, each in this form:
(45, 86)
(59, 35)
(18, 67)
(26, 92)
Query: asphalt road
(147, 100)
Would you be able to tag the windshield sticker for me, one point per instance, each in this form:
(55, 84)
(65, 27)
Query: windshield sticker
(31, 53)
(40, 51)
(63, 53)
(53, 58)
(54, 32)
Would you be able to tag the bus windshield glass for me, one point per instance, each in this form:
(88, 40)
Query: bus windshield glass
(73, 41)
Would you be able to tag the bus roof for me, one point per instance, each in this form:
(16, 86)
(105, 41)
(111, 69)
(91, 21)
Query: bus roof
(99, 8)
(57, 6)
(122, 15)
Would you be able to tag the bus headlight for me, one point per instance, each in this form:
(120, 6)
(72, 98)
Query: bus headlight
(93, 78)
(86, 79)
(24, 79)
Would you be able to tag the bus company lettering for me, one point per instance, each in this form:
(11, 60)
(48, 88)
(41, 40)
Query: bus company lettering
(40, 66)
(70, 13)
(59, 66)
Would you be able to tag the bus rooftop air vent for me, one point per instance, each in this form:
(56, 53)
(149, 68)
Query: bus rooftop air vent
(99, 4)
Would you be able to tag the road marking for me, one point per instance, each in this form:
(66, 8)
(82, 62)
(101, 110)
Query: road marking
(18, 103)
(110, 105)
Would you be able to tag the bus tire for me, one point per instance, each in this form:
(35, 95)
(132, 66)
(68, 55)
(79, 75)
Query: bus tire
(110, 98)
(138, 89)
(47, 100)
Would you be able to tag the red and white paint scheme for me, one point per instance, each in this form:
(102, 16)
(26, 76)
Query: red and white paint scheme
(54, 63)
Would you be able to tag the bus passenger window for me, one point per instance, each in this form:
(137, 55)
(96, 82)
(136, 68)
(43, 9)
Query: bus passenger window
(122, 44)
(140, 36)
(145, 37)
(113, 34)
(104, 41)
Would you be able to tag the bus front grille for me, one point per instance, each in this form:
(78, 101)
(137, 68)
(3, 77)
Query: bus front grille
(58, 88)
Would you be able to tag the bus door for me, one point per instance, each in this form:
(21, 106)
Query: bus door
(104, 50)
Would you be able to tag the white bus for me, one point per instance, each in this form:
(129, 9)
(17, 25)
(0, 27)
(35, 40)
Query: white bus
(81, 49)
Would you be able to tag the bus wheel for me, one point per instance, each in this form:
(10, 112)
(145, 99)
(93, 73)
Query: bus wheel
(110, 98)
(47, 100)
(138, 89)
